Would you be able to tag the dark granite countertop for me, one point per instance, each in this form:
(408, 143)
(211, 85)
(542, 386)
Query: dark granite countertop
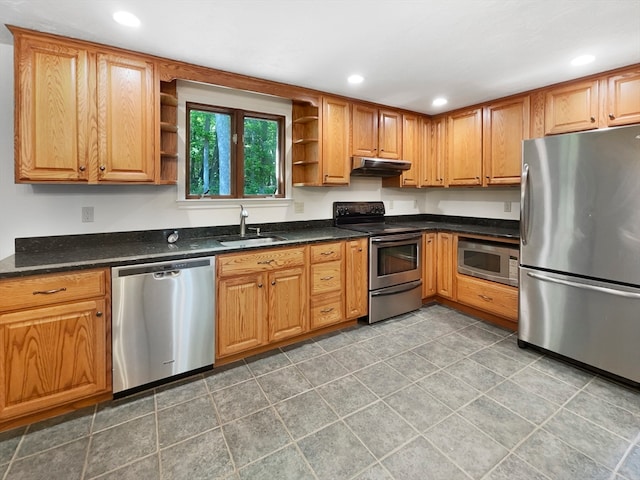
(41, 255)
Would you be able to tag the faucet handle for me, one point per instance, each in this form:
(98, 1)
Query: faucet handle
(257, 229)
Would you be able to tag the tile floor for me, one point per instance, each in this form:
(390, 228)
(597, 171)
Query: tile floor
(429, 395)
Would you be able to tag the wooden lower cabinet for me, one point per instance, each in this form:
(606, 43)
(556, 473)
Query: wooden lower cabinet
(327, 284)
(240, 320)
(357, 278)
(262, 298)
(492, 297)
(446, 265)
(56, 351)
(429, 256)
(287, 303)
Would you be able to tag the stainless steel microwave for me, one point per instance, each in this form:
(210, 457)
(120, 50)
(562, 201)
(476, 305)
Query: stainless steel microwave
(493, 261)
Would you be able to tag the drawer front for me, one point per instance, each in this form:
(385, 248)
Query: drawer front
(326, 277)
(489, 296)
(36, 291)
(263, 260)
(326, 312)
(326, 252)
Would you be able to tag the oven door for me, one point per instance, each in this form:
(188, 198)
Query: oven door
(395, 259)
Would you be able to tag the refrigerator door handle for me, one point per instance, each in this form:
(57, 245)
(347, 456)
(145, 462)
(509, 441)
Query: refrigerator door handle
(585, 286)
(524, 205)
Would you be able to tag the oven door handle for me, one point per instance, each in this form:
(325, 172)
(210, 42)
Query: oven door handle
(405, 287)
(396, 238)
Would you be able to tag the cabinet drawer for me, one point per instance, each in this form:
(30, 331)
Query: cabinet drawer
(326, 252)
(28, 292)
(326, 311)
(263, 260)
(489, 296)
(326, 277)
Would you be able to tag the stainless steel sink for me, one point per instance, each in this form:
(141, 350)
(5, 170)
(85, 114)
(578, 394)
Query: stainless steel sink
(251, 241)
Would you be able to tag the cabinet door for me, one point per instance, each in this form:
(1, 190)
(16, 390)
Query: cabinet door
(336, 167)
(571, 108)
(364, 131)
(52, 355)
(411, 149)
(429, 256)
(52, 110)
(241, 314)
(505, 125)
(126, 119)
(389, 134)
(287, 304)
(356, 278)
(445, 269)
(436, 160)
(465, 148)
(623, 98)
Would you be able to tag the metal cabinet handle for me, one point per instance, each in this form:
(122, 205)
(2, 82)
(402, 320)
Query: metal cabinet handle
(326, 278)
(50, 292)
(259, 285)
(327, 253)
(612, 116)
(102, 168)
(98, 314)
(266, 262)
(485, 298)
(273, 282)
(82, 168)
(593, 119)
(326, 310)
(360, 249)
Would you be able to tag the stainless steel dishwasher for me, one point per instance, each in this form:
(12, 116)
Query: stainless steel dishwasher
(163, 320)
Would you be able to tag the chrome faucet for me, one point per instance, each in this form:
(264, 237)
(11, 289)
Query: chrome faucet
(243, 215)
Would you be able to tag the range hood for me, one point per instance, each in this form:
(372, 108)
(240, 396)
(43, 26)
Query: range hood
(378, 167)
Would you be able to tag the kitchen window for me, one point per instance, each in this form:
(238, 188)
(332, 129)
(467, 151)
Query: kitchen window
(232, 153)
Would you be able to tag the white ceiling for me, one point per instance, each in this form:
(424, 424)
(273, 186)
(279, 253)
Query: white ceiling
(409, 51)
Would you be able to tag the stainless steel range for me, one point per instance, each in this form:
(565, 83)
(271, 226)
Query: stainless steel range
(395, 258)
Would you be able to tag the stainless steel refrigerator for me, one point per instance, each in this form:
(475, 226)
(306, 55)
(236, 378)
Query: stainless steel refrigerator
(580, 248)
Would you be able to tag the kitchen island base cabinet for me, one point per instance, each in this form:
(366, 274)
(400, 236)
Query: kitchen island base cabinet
(54, 348)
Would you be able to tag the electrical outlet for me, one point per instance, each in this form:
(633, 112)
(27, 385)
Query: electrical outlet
(87, 214)
(507, 206)
(298, 207)
(390, 204)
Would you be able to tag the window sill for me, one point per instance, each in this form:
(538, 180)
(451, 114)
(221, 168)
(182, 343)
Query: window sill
(208, 203)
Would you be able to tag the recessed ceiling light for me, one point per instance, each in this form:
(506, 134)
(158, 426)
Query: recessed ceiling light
(438, 102)
(355, 79)
(127, 19)
(582, 60)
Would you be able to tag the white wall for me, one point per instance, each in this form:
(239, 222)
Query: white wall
(41, 210)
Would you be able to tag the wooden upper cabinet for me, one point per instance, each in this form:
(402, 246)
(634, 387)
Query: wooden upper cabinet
(364, 131)
(83, 113)
(336, 166)
(389, 134)
(52, 110)
(375, 133)
(505, 125)
(126, 124)
(464, 161)
(411, 152)
(571, 108)
(436, 145)
(623, 98)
